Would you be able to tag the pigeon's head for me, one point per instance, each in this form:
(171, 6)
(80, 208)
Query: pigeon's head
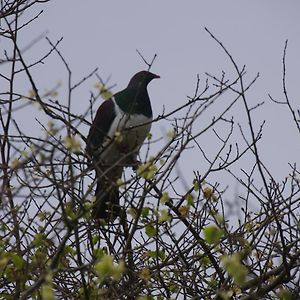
(142, 78)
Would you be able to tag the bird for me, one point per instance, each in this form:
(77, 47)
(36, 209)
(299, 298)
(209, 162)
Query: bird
(120, 126)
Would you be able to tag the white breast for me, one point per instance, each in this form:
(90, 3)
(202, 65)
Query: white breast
(125, 136)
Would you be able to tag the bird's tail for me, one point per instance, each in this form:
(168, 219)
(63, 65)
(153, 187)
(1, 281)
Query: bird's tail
(107, 200)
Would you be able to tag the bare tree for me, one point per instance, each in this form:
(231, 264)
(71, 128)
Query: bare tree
(177, 239)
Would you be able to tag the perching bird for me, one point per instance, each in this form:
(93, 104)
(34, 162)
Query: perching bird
(117, 133)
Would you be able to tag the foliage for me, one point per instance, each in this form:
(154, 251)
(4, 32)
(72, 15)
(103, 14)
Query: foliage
(178, 238)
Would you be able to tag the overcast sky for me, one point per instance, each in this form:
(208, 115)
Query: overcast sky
(106, 34)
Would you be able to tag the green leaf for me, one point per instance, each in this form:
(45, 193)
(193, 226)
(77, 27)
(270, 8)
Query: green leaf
(103, 90)
(150, 230)
(147, 170)
(145, 212)
(3, 261)
(171, 134)
(285, 294)
(184, 210)
(106, 268)
(149, 136)
(232, 264)
(72, 144)
(120, 183)
(196, 185)
(133, 212)
(164, 198)
(212, 234)
(39, 240)
(47, 288)
(208, 193)
(69, 249)
(204, 261)
(189, 199)
(6, 296)
(160, 253)
(145, 274)
(69, 210)
(17, 261)
(88, 205)
(164, 216)
(174, 288)
(42, 215)
(99, 252)
(95, 239)
(47, 292)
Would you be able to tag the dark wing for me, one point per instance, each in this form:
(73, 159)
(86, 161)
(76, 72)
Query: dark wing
(100, 127)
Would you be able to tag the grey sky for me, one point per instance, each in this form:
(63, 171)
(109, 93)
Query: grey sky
(107, 33)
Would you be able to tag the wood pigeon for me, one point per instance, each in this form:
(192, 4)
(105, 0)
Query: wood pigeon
(116, 135)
